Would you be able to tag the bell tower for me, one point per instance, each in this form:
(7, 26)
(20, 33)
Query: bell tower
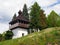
(19, 25)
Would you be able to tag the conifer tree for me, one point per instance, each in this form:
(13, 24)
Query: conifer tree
(14, 17)
(25, 11)
(38, 19)
(35, 16)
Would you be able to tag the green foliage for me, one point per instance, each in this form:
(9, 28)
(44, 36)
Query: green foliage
(8, 35)
(58, 22)
(35, 16)
(38, 18)
(25, 11)
(53, 19)
(43, 20)
(0, 37)
(14, 17)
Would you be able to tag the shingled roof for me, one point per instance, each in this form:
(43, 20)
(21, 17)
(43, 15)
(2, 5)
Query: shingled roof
(19, 17)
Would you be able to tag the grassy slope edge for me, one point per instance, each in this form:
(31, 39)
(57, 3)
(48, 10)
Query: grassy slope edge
(44, 37)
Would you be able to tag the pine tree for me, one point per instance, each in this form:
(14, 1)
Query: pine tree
(25, 11)
(35, 16)
(38, 18)
(14, 17)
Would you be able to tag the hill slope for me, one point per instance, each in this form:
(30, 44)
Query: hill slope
(44, 37)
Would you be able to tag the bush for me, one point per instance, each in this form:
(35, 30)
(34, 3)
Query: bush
(8, 35)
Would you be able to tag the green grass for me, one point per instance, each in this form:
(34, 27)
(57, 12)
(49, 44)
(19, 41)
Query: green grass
(44, 37)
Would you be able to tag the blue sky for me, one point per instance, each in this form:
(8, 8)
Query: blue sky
(9, 7)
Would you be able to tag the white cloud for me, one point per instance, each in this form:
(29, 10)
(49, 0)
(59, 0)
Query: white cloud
(3, 27)
(1, 17)
(44, 3)
(56, 8)
(13, 6)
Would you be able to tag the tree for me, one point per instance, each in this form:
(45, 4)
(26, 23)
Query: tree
(58, 22)
(35, 16)
(43, 20)
(8, 35)
(1, 37)
(53, 19)
(25, 11)
(38, 18)
(14, 17)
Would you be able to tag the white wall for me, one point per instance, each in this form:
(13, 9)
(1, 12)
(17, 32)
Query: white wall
(18, 32)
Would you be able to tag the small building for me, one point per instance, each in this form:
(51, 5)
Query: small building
(19, 25)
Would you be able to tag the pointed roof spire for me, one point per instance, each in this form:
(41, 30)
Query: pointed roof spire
(19, 12)
(14, 17)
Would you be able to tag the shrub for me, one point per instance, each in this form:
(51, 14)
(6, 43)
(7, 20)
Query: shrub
(8, 35)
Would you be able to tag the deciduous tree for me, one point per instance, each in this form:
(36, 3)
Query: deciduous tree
(53, 19)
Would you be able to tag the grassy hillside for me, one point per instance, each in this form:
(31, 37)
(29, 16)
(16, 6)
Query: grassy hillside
(44, 37)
